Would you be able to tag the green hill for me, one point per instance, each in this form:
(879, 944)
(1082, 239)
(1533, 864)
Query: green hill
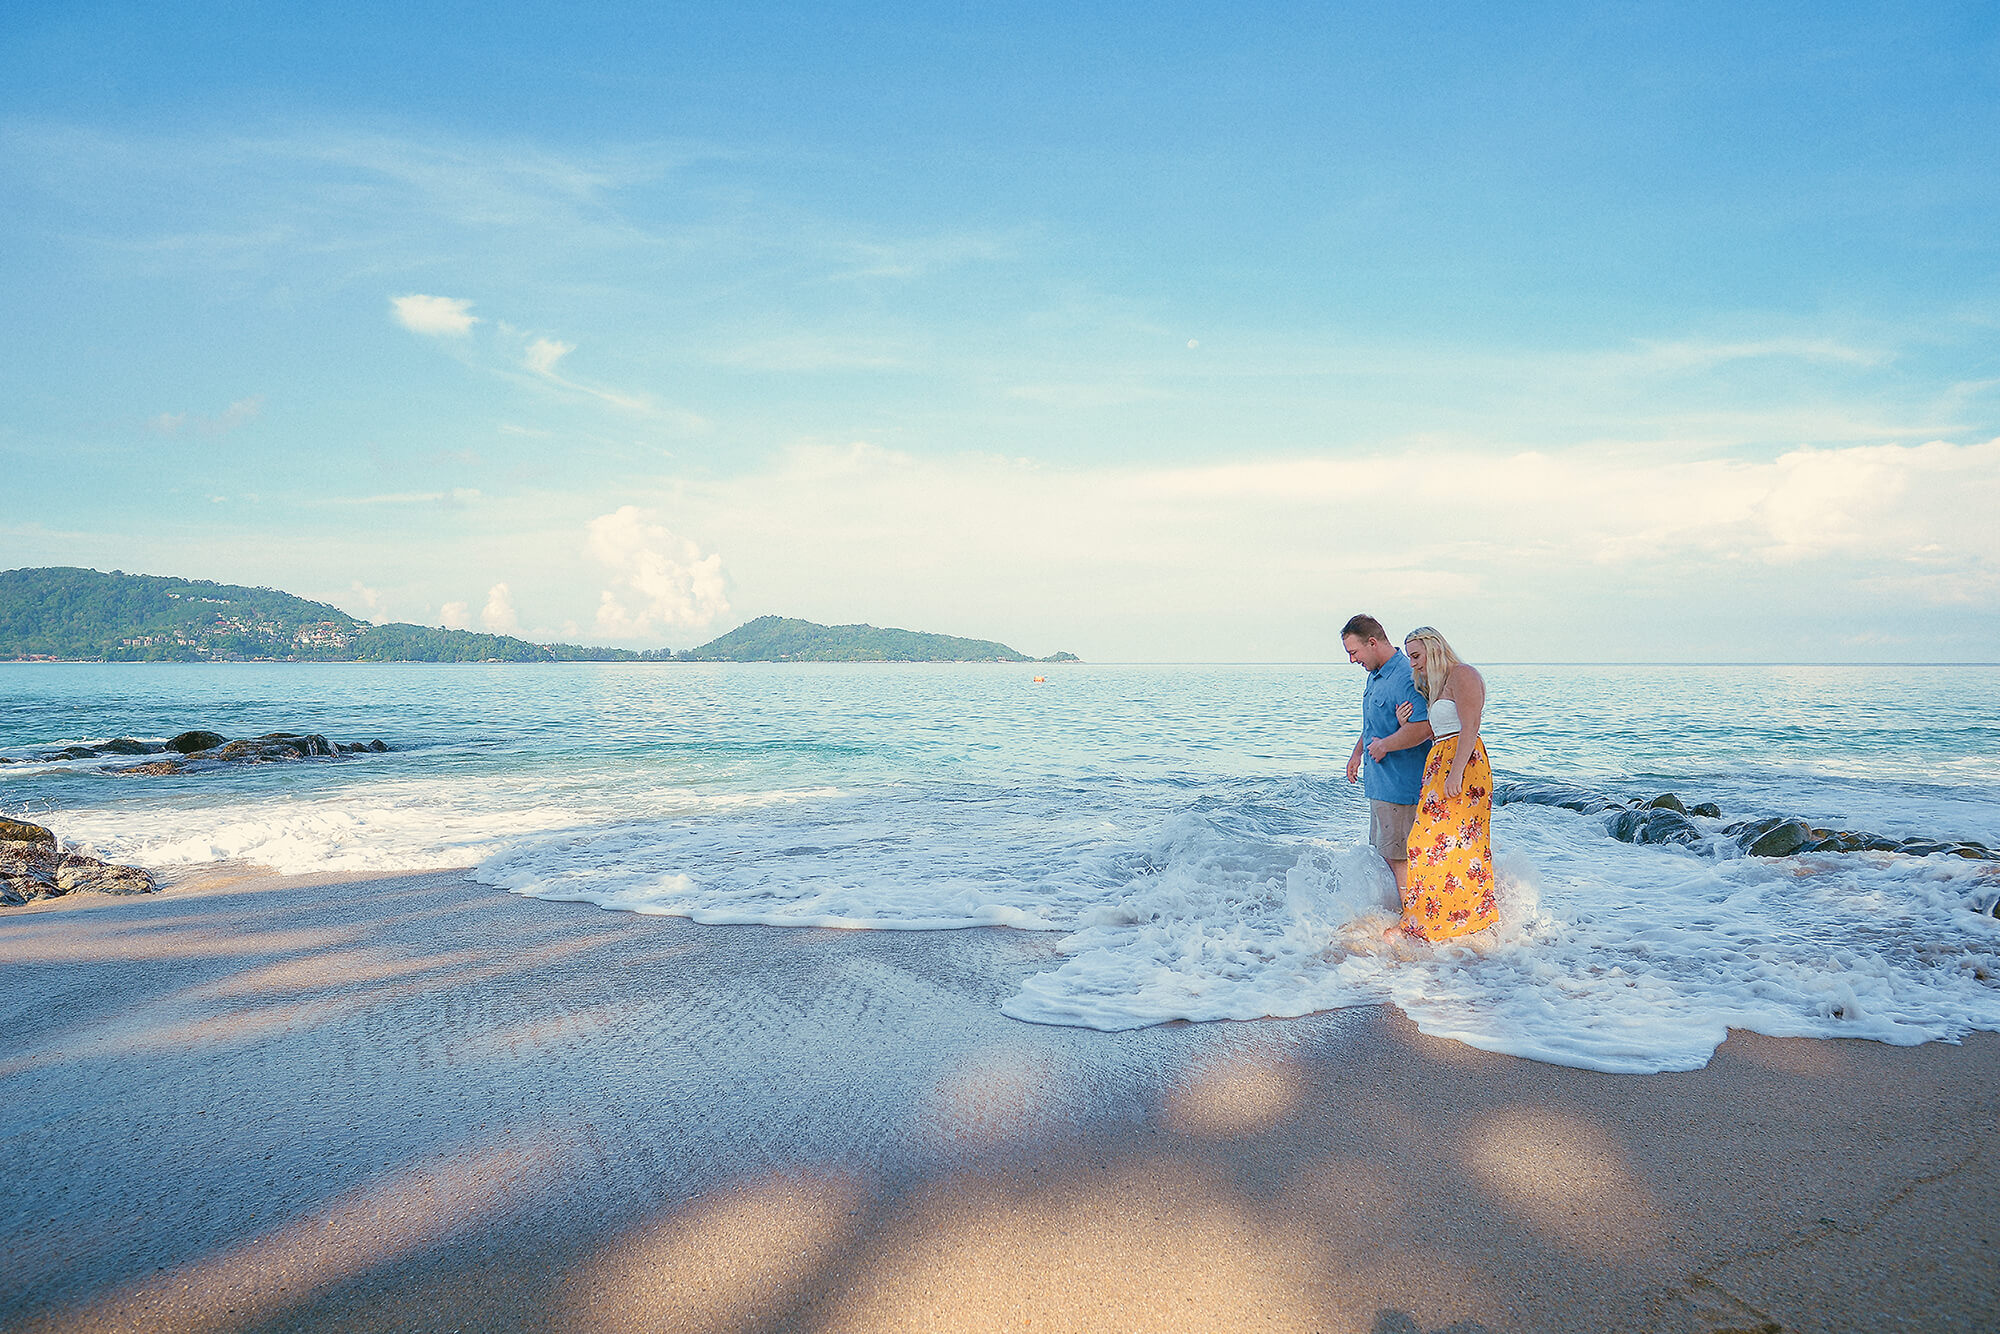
(784, 639)
(75, 614)
(66, 612)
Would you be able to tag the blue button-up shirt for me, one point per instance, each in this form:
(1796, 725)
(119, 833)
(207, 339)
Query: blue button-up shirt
(1399, 775)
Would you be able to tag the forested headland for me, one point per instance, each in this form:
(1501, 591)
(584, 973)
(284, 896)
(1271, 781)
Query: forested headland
(70, 614)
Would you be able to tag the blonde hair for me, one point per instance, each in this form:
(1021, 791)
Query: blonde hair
(1438, 660)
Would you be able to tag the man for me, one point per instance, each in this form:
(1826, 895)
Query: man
(1393, 753)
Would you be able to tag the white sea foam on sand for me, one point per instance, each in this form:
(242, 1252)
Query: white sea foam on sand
(1608, 956)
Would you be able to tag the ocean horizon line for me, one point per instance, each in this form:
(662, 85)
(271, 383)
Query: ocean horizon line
(1031, 662)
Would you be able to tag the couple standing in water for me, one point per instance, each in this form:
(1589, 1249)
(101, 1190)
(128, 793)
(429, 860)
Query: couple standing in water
(1429, 786)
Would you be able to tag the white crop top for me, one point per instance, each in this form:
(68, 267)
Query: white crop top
(1444, 719)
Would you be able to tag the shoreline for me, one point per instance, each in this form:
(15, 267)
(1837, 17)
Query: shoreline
(410, 1101)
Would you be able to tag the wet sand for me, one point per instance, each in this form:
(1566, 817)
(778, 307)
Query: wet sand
(415, 1103)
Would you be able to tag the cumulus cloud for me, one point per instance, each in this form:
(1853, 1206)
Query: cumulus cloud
(544, 353)
(365, 602)
(456, 616)
(498, 614)
(438, 316)
(669, 583)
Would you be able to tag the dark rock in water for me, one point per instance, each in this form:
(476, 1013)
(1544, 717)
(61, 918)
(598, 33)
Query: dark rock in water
(20, 831)
(1781, 840)
(31, 868)
(1653, 824)
(74, 753)
(204, 746)
(1537, 792)
(1665, 819)
(151, 769)
(276, 746)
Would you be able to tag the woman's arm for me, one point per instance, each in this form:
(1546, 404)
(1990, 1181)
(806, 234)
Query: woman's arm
(1466, 688)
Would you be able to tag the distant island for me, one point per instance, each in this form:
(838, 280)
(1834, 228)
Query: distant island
(783, 639)
(76, 615)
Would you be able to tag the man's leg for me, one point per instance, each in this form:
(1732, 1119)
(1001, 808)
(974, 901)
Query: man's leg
(1389, 834)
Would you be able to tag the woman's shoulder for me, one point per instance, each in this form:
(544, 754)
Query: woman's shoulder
(1462, 674)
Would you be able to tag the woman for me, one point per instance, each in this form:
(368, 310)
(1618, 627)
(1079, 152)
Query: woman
(1450, 892)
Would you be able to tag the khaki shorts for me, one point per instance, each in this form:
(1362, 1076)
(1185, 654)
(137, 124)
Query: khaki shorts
(1389, 829)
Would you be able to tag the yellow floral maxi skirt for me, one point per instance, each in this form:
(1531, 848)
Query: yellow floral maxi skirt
(1451, 850)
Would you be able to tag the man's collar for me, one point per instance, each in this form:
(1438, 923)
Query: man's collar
(1385, 664)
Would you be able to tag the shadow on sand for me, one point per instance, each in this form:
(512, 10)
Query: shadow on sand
(415, 1103)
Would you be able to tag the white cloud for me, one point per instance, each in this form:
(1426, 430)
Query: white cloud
(675, 586)
(544, 353)
(498, 614)
(456, 616)
(231, 417)
(364, 602)
(813, 352)
(1690, 354)
(1556, 554)
(438, 316)
(456, 497)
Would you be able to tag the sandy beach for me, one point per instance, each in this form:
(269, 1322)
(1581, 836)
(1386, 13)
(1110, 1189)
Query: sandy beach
(414, 1103)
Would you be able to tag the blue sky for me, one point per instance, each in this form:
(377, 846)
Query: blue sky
(1583, 332)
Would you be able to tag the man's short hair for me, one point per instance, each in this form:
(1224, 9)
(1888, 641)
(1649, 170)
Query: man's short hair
(1364, 628)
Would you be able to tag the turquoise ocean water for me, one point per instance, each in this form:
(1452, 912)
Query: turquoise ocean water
(1186, 830)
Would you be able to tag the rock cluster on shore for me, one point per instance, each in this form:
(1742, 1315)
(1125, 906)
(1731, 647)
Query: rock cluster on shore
(1666, 819)
(198, 749)
(33, 866)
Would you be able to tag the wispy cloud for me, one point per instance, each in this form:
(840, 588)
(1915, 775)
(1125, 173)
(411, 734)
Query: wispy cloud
(438, 316)
(458, 495)
(916, 256)
(812, 352)
(541, 358)
(236, 414)
(1702, 355)
(1104, 394)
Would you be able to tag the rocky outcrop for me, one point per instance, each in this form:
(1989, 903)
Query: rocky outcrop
(203, 749)
(33, 866)
(1654, 824)
(20, 831)
(273, 746)
(1666, 819)
(1542, 792)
